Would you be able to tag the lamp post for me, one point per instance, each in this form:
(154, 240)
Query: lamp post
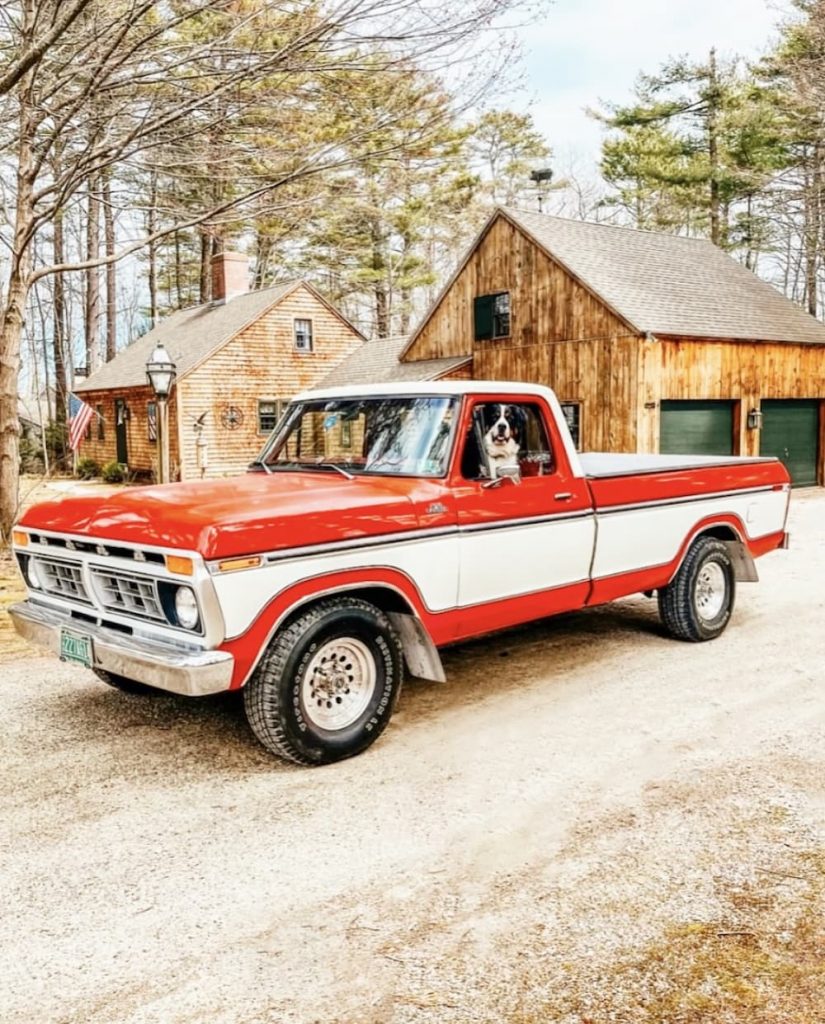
(541, 178)
(161, 372)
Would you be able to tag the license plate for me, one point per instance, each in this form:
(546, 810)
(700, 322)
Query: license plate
(76, 647)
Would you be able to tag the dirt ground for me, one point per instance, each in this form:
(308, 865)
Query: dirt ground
(589, 823)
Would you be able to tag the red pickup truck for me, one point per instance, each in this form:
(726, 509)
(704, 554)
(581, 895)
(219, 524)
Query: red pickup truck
(378, 525)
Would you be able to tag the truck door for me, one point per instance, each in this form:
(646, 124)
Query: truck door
(526, 525)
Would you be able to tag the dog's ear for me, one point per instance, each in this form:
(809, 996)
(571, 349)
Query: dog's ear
(488, 414)
(518, 421)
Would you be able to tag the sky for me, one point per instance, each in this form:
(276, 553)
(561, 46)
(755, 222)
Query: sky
(586, 50)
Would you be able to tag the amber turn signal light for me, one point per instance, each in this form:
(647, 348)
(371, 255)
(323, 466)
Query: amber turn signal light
(20, 539)
(180, 565)
(232, 564)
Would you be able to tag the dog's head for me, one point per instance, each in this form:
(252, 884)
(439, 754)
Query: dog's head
(503, 429)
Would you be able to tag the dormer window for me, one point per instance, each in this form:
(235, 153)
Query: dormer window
(303, 335)
(491, 316)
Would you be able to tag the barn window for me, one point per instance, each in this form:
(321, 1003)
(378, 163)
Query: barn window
(152, 420)
(303, 335)
(101, 431)
(491, 316)
(572, 414)
(269, 412)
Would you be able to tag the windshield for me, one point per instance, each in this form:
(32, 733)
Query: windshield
(404, 436)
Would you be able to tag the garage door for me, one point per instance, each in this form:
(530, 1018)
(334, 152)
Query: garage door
(789, 431)
(696, 428)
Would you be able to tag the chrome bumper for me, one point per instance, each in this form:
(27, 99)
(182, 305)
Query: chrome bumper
(192, 673)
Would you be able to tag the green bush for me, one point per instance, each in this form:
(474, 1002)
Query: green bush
(114, 472)
(87, 469)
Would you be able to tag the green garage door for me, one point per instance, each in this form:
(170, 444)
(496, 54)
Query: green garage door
(696, 428)
(789, 431)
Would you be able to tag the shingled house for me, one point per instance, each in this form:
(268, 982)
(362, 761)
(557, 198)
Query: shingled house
(652, 342)
(239, 358)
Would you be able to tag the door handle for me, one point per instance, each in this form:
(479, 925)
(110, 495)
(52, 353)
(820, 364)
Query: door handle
(563, 496)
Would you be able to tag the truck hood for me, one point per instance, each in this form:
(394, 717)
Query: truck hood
(238, 515)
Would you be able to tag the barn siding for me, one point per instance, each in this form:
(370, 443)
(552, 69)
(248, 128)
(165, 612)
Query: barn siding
(142, 452)
(259, 363)
(561, 335)
(745, 372)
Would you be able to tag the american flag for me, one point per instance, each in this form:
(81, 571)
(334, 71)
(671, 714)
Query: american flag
(80, 416)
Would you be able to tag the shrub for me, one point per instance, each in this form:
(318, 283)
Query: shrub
(87, 469)
(114, 472)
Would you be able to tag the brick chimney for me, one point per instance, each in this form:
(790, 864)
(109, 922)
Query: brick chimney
(230, 276)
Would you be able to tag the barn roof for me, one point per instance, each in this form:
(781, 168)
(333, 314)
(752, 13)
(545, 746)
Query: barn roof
(189, 335)
(668, 284)
(376, 362)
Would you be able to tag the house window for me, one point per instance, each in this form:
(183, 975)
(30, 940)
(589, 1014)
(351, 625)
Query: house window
(101, 426)
(346, 433)
(572, 414)
(303, 335)
(269, 412)
(491, 316)
(152, 420)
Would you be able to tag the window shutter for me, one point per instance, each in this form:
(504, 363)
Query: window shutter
(483, 307)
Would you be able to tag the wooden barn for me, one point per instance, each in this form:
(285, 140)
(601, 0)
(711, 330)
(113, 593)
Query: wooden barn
(652, 342)
(239, 359)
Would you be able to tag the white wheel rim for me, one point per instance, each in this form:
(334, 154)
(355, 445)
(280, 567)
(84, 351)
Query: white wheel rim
(711, 591)
(338, 683)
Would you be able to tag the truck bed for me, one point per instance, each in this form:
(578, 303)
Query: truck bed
(598, 465)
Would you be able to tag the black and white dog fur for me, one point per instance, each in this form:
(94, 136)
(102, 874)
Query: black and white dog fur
(503, 429)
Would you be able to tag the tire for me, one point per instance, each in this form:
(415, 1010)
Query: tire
(301, 702)
(122, 683)
(698, 602)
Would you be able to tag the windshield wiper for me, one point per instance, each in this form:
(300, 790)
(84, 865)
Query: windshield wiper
(332, 465)
(263, 465)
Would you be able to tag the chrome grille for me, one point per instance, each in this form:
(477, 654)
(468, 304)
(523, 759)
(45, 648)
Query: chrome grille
(131, 595)
(62, 578)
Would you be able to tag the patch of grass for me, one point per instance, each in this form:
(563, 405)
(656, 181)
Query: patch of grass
(764, 964)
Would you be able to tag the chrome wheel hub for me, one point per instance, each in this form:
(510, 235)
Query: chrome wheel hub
(339, 683)
(711, 591)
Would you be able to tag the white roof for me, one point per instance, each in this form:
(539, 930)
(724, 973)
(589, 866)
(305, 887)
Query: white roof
(437, 387)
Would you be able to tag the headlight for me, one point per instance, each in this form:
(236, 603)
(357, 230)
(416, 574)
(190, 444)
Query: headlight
(33, 575)
(186, 608)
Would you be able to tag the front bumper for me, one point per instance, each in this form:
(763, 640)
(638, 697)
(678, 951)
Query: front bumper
(193, 673)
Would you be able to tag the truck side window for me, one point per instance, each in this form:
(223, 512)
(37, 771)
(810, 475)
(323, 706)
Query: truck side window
(506, 433)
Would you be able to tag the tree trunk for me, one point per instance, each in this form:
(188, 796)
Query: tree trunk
(61, 384)
(11, 325)
(92, 317)
(111, 270)
(713, 150)
(178, 273)
(206, 267)
(151, 227)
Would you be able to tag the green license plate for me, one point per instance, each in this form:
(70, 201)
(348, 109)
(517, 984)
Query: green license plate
(76, 647)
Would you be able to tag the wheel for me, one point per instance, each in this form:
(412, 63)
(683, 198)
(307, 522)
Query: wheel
(122, 683)
(698, 602)
(328, 683)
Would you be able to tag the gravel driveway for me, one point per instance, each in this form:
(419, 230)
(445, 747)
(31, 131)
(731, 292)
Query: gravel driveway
(580, 826)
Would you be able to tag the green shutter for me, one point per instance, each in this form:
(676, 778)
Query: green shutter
(696, 428)
(789, 432)
(483, 307)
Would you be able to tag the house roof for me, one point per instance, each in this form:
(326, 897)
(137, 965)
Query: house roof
(376, 362)
(668, 284)
(190, 335)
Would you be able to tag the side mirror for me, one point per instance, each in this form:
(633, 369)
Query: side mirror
(512, 473)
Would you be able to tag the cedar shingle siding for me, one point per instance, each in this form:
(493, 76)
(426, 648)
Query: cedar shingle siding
(228, 358)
